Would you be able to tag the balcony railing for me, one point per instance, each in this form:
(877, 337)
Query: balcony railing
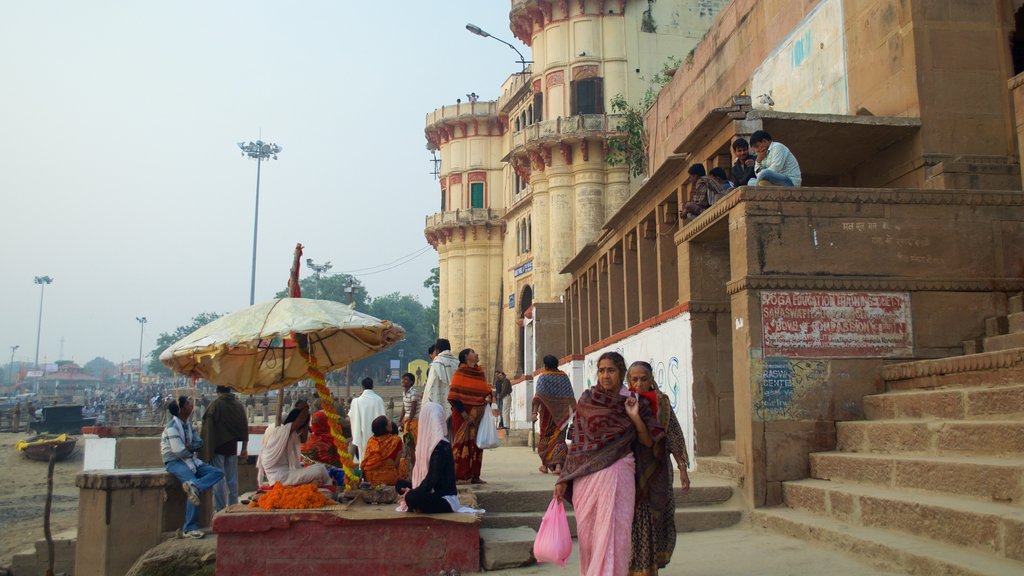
(577, 127)
(462, 110)
(463, 217)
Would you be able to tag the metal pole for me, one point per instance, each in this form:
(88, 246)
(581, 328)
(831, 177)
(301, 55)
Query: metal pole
(255, 231)
(10, 367)
(42, 281)
(142, 330)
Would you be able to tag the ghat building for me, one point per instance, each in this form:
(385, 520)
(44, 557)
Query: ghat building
(851, 350)
(524, 181)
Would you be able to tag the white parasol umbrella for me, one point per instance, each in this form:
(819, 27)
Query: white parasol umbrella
(252, 350)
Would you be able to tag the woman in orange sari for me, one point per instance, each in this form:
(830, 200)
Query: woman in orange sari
(383, 451)
(469, 396)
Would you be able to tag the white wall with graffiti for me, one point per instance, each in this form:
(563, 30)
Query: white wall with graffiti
(807, 72)
(668, 347)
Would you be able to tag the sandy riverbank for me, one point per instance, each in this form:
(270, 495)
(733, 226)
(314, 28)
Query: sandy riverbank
(23, 497)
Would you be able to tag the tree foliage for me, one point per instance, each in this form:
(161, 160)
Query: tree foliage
(631, 148)
(334, 288)
(165, 339)
(433, 313)
(100, 367)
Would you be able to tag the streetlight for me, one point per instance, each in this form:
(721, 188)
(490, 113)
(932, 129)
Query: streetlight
(479, 32)
(318, 269)
(142, 329)
(10, 375)
(258, 151)
(42, 281)
(351, 290)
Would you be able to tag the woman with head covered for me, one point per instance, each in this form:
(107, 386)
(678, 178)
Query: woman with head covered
(599, 471)
(383, 451)
(433, 478)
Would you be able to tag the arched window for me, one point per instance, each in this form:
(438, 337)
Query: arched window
(519, 239)
(523, 118)
(529, 233)
(529, 113)
(517, 124)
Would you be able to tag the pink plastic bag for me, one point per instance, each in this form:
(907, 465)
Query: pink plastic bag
(553, 543)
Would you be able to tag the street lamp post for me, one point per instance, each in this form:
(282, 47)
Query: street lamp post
(351, 290)
(42, 281)
(258, 151)
(10, 367)
(318, 269)
(479, 32)
(142, 330)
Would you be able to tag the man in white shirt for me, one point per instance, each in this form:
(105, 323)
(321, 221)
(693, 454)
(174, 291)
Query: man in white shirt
(361, 414)
(775, 164)
(439, 377)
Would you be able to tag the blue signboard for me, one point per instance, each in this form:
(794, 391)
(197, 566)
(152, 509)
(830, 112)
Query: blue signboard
(511, 301)
(523, 269)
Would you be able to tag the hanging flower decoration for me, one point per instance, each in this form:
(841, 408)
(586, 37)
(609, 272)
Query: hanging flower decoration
(327, 405)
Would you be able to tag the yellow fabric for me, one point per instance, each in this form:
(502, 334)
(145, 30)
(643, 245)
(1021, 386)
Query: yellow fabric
(25, 443)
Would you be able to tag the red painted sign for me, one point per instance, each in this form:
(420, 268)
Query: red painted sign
(799, 324)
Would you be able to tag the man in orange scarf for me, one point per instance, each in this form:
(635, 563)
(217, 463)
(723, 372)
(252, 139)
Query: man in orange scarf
(469, 396)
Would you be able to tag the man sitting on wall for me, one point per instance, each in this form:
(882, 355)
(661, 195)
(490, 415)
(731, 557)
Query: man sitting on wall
(775, 164)
(704, 190)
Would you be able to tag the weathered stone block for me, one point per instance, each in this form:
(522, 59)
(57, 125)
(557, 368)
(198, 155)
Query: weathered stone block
(803, 497)
(982, 437)
(994, 482)
(507, 547)
(854, 468)
(1008, 400)
(937, 404)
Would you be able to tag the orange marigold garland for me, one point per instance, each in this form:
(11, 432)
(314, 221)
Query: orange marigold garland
(327, 405)
(282, 497)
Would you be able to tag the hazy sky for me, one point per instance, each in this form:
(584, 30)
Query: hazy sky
(121, 179)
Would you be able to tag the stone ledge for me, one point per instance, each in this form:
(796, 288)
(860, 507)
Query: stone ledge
(125, 478)
(955, 365)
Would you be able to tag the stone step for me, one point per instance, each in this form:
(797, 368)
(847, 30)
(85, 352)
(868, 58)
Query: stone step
(997, 479)
(1016, 303)
(1004, 342)
(536, 501)
(728, 448)
(687, 519)
(720, 467)
(502, 548)
(992, 528)
(1015, 322)
(952, 403)
(980, 437)
(885, 549)
(976, 370)
(996, 325)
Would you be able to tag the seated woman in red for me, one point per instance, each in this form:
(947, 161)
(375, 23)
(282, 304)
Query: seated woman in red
(383, 452)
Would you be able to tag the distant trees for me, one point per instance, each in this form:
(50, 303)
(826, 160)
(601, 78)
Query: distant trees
(100, 367)
(167, 338)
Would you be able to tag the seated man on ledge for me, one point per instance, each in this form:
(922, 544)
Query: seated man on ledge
(280, 459)
(775, 164)
(704, 191)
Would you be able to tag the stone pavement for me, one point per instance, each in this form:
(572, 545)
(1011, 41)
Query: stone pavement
(741, 550)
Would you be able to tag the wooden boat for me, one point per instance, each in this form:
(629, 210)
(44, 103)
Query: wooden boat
(39, 447)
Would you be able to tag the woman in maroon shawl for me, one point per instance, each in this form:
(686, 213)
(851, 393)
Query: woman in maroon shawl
(469, 396)
(599, 471)
(654, 526)
(553, 403)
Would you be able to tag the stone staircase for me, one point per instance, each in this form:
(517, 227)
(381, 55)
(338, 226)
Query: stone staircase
(933, 481)
(509, 527)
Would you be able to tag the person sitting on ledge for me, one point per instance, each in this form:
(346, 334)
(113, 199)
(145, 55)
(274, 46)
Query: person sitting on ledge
(775, 164)
(178, 444)
(705, 190)
(433, 488)
(280, 459)
(383, 451)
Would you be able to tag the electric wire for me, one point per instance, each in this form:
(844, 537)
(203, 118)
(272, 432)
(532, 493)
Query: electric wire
(397, 261)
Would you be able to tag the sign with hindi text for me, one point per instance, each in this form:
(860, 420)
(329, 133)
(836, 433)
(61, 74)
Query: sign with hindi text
(808, 324)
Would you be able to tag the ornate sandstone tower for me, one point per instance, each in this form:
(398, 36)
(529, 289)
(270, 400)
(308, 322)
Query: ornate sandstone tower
(467, 232)
(541, 158)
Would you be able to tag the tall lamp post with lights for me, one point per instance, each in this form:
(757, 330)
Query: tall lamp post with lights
(142, 330)
(258, 151)
(479, 32)
(10, 367)
(318, 269)
(42, 281)
(351, 290)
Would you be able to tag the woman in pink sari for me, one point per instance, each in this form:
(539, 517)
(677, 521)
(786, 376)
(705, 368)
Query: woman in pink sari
(599, 474)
